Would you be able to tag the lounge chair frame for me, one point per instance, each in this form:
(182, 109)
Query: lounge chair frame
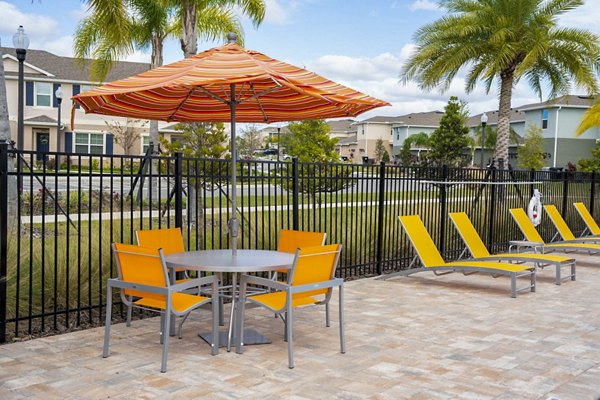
(532, 235)
(590, 223)
(469, 235)
(467, 267)
(563, 230)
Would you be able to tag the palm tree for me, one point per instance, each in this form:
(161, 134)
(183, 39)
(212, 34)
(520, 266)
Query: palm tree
(212, 19)
(591, 119)
(505, 40)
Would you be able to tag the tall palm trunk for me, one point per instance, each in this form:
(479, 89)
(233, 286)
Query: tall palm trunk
(5, 137)
(155, 62)
(189, 46)
(189, 39)
(502, 138)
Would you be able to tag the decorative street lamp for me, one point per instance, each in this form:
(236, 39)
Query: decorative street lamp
(278, 140)
(58, 94)
(484, 120)
(21, 43)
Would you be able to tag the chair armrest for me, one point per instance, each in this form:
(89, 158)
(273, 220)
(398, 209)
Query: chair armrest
(196, 282)
(316, 286)
(257, 280)
(117, 283)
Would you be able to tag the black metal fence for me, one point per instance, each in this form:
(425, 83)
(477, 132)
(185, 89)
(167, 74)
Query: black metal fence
(56, 226)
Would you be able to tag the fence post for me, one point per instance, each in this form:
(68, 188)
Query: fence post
(491, 211)
(295, 195)
(443, 208)
(178, 191)
(3, 236)
(592, 193)
(565, 193)
(531, 179)
(380, 218)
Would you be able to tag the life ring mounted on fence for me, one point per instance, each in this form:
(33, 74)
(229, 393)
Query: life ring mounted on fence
(534, 209)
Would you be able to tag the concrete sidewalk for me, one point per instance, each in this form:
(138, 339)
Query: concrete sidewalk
(417, 337)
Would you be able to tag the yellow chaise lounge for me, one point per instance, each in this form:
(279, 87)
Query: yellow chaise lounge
(532, 235)
(432, 260)
(477, 248)
(591, 225)
(563, 230)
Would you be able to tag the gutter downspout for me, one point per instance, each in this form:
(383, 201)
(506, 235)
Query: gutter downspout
(556, 137)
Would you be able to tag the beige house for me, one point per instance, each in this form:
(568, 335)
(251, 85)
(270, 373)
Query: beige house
(367, 134)
(44, 73)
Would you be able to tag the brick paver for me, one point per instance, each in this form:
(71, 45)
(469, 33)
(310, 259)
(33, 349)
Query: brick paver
(417, 337)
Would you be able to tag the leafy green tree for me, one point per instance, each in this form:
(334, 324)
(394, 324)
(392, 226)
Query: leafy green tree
(249, 141)
(420, 139)
(503, 41)
(593, 163)
(448, 142)
(310, 142)
(199, 140)
(531, 154)
(380, 151)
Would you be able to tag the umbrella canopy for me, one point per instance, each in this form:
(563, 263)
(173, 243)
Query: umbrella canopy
(227, 84)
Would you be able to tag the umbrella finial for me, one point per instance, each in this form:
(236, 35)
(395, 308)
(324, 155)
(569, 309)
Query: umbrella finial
(231, 37)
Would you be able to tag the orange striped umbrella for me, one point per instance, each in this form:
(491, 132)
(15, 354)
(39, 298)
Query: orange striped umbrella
(227, 84)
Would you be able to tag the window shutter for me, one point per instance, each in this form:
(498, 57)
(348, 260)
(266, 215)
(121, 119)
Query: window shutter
(109, 144)
(76, 90)
(69, 142)
(54, 99)
(29, 93)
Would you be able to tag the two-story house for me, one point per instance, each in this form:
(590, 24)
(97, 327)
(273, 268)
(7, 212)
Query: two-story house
(44, 73)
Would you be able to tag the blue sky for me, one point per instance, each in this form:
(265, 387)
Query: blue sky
(360, 43)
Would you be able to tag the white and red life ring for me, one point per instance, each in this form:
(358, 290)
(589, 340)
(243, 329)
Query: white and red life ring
(534, 209)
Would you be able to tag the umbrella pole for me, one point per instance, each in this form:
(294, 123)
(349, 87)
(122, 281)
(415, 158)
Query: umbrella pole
(233, 221)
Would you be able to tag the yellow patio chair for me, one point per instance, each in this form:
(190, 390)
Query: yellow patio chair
(478, 251)
(591, 225)
(310, 281)
(143, 275)
(167, 239)
(563, 230)
(291, 240)
(535, 240)
(432, 260)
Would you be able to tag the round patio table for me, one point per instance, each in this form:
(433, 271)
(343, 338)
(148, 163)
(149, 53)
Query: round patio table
(223, 261)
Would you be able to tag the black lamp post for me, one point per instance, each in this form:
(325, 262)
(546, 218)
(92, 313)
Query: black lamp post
(278, 141)
(484, 120)
(21, 43)
(58, 94)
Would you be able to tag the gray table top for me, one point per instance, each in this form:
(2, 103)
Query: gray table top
(224, 261)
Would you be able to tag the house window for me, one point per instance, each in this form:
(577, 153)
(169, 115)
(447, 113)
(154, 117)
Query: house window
(43, 94)
(398, 137)
(85, 88)
(89, 143)
(544, 119)
(145, 144)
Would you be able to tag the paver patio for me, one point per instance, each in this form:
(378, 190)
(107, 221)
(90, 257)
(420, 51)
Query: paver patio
(417, 337)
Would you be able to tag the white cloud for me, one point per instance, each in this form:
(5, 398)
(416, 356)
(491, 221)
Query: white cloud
(379, 76)
(34, 24)
(138, 56)
(276, 13)
(586, 17)
(61, 45)
(427, 5)
(81, 12)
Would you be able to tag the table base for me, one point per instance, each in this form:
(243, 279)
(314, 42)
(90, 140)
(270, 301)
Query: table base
(251, 337)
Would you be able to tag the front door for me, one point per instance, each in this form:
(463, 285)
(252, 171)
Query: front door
(42, 140)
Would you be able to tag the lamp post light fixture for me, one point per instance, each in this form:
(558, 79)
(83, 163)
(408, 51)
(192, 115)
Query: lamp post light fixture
(21, 43)
(484, 120)
(58, 94)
